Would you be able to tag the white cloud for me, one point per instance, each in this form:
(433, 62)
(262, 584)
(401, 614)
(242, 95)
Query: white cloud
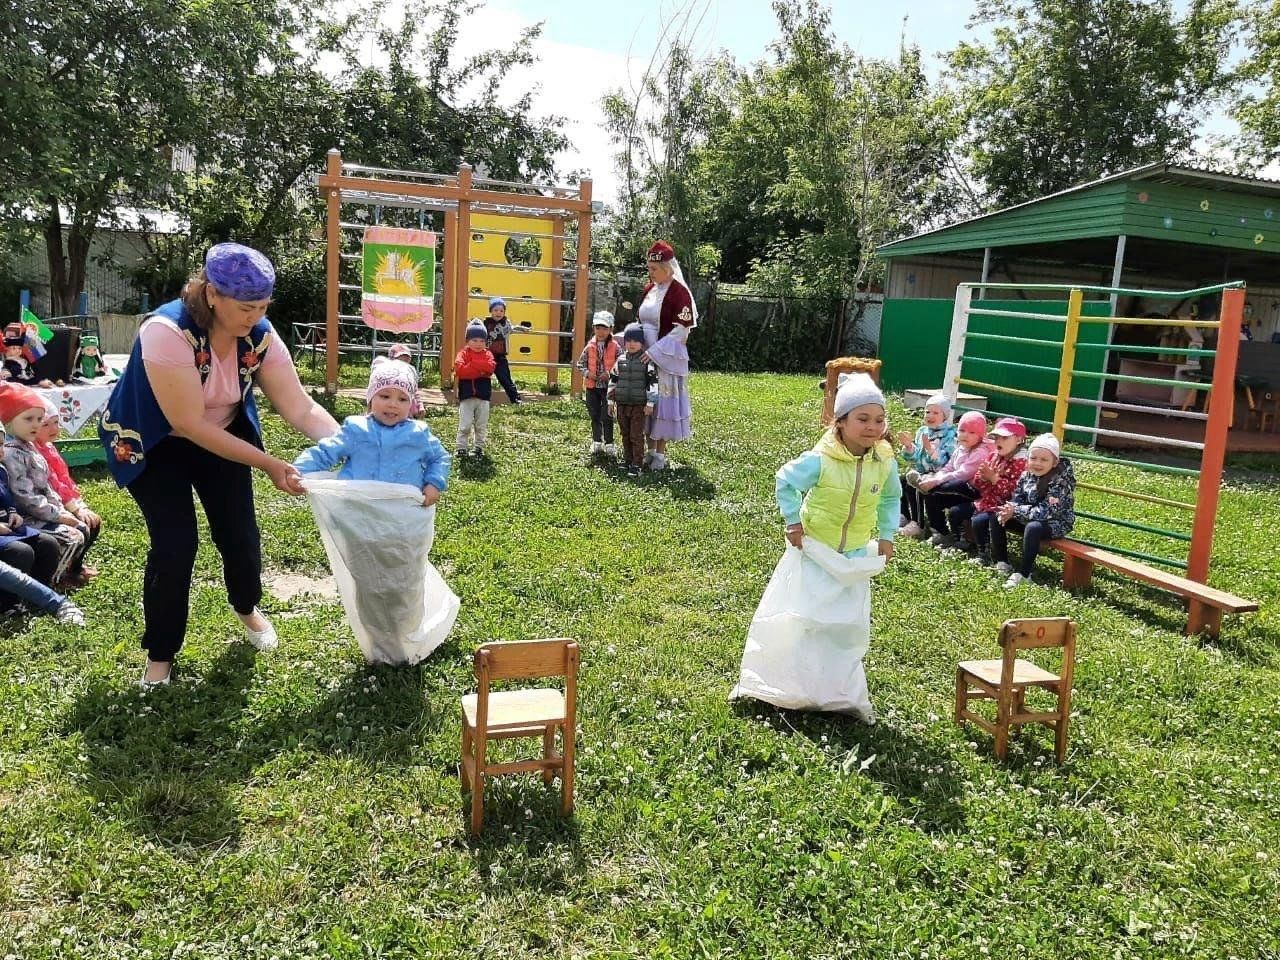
(569, 82)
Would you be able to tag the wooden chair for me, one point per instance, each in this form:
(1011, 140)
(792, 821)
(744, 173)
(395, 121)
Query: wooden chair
(529, 712)
(1006, 681)
(840, 365)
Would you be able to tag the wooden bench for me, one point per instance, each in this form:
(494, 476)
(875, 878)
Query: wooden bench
(1205, 605)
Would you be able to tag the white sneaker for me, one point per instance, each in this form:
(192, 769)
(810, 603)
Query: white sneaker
(1014, 582)
(1003, 569)
(596, 446)
(69, 613)
(867, 717)
(264, 640)
(659, 462)
(912, 530)
(610, 450)
(648, 459)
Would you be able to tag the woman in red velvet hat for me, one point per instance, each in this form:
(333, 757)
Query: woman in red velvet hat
(667, 314)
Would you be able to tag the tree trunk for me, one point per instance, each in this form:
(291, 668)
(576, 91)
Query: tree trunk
(66, 267)
(57, 260)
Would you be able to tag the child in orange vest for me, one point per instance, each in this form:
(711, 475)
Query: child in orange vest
(597, 359)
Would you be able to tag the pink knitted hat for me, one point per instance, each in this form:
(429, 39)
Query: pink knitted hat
(973, 422)
(386, 372)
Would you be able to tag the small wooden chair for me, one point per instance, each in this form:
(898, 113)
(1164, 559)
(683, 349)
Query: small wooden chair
(529, 712)
(1006, 680)
(840, 365)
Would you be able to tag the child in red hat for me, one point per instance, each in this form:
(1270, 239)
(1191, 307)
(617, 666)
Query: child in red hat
(22, 413)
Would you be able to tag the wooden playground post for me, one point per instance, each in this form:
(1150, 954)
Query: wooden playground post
(582, 282)
(449, 307)
(1075, 306)
(462, 267)
(1215, 434)
(557, 293)
(955, 350)
(333, 262)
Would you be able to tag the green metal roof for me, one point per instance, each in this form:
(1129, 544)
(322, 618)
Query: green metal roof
(1159, 201)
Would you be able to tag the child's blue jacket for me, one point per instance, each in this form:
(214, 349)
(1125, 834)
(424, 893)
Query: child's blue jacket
(405, 453)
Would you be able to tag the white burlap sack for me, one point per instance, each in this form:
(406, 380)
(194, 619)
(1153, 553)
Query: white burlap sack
(808, 636)
(378, 537)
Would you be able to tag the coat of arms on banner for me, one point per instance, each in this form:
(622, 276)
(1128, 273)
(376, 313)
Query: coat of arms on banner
(399, 278)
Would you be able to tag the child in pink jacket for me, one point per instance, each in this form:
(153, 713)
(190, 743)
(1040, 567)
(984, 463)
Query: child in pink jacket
(953, 484)
(62, 483)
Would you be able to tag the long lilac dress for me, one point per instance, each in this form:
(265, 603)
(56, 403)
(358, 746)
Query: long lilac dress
(672, 414)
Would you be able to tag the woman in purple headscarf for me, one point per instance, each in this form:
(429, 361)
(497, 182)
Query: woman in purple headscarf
(182, 418)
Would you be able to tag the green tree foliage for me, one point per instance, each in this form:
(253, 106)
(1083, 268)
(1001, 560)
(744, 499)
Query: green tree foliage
(1066, 91)
(97, 99)
(864, 156)
(661, 130)
(787, 174)
(1258, 109)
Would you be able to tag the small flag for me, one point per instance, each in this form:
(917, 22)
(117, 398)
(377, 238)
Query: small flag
(31, 320)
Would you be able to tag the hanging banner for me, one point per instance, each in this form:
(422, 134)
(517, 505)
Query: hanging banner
(399, 279)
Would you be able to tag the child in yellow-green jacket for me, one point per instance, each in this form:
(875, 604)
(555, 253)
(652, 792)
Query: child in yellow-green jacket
(847, 486)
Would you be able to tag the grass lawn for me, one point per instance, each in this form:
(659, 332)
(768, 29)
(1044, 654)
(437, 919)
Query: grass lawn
(302, 804)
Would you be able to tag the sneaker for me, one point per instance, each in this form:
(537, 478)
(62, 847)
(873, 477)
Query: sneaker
(867, 717)
(648, 459)
(1015, 581)
(264, 640)
(633, 471)
(596, 446)
(943, 541)
(69, 613)
(610, 450)
(460, 453)
(981, 559)
(1003, 569)
(912, 530)
(659, 462)
(478, 452)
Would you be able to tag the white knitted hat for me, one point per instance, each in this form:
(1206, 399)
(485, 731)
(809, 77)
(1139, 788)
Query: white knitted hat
(1047, 441)
(856, 389)
(386, 372)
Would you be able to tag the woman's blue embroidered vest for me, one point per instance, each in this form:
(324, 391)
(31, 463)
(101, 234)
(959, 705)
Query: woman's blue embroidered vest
(133, 423)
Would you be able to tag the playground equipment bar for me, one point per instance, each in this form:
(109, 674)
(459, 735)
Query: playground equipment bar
(1128, 494)
(523, 269)
(1152, 322)
(1140, 464)
(1136, 554)
(542, 333)
(548, 300)
(1012, 391)
(1130, 348)
(998, 415)
(1110, 291)
(1102, 518)
(1011, 363)
(522, 233)
(1145, 438)
(1014, 314)
(415, 174)
(487, 182)
(970, 335)
(1140, 408)
(1155, 381)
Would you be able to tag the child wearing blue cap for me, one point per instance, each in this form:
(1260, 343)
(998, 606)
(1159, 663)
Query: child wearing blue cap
(499, 331)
